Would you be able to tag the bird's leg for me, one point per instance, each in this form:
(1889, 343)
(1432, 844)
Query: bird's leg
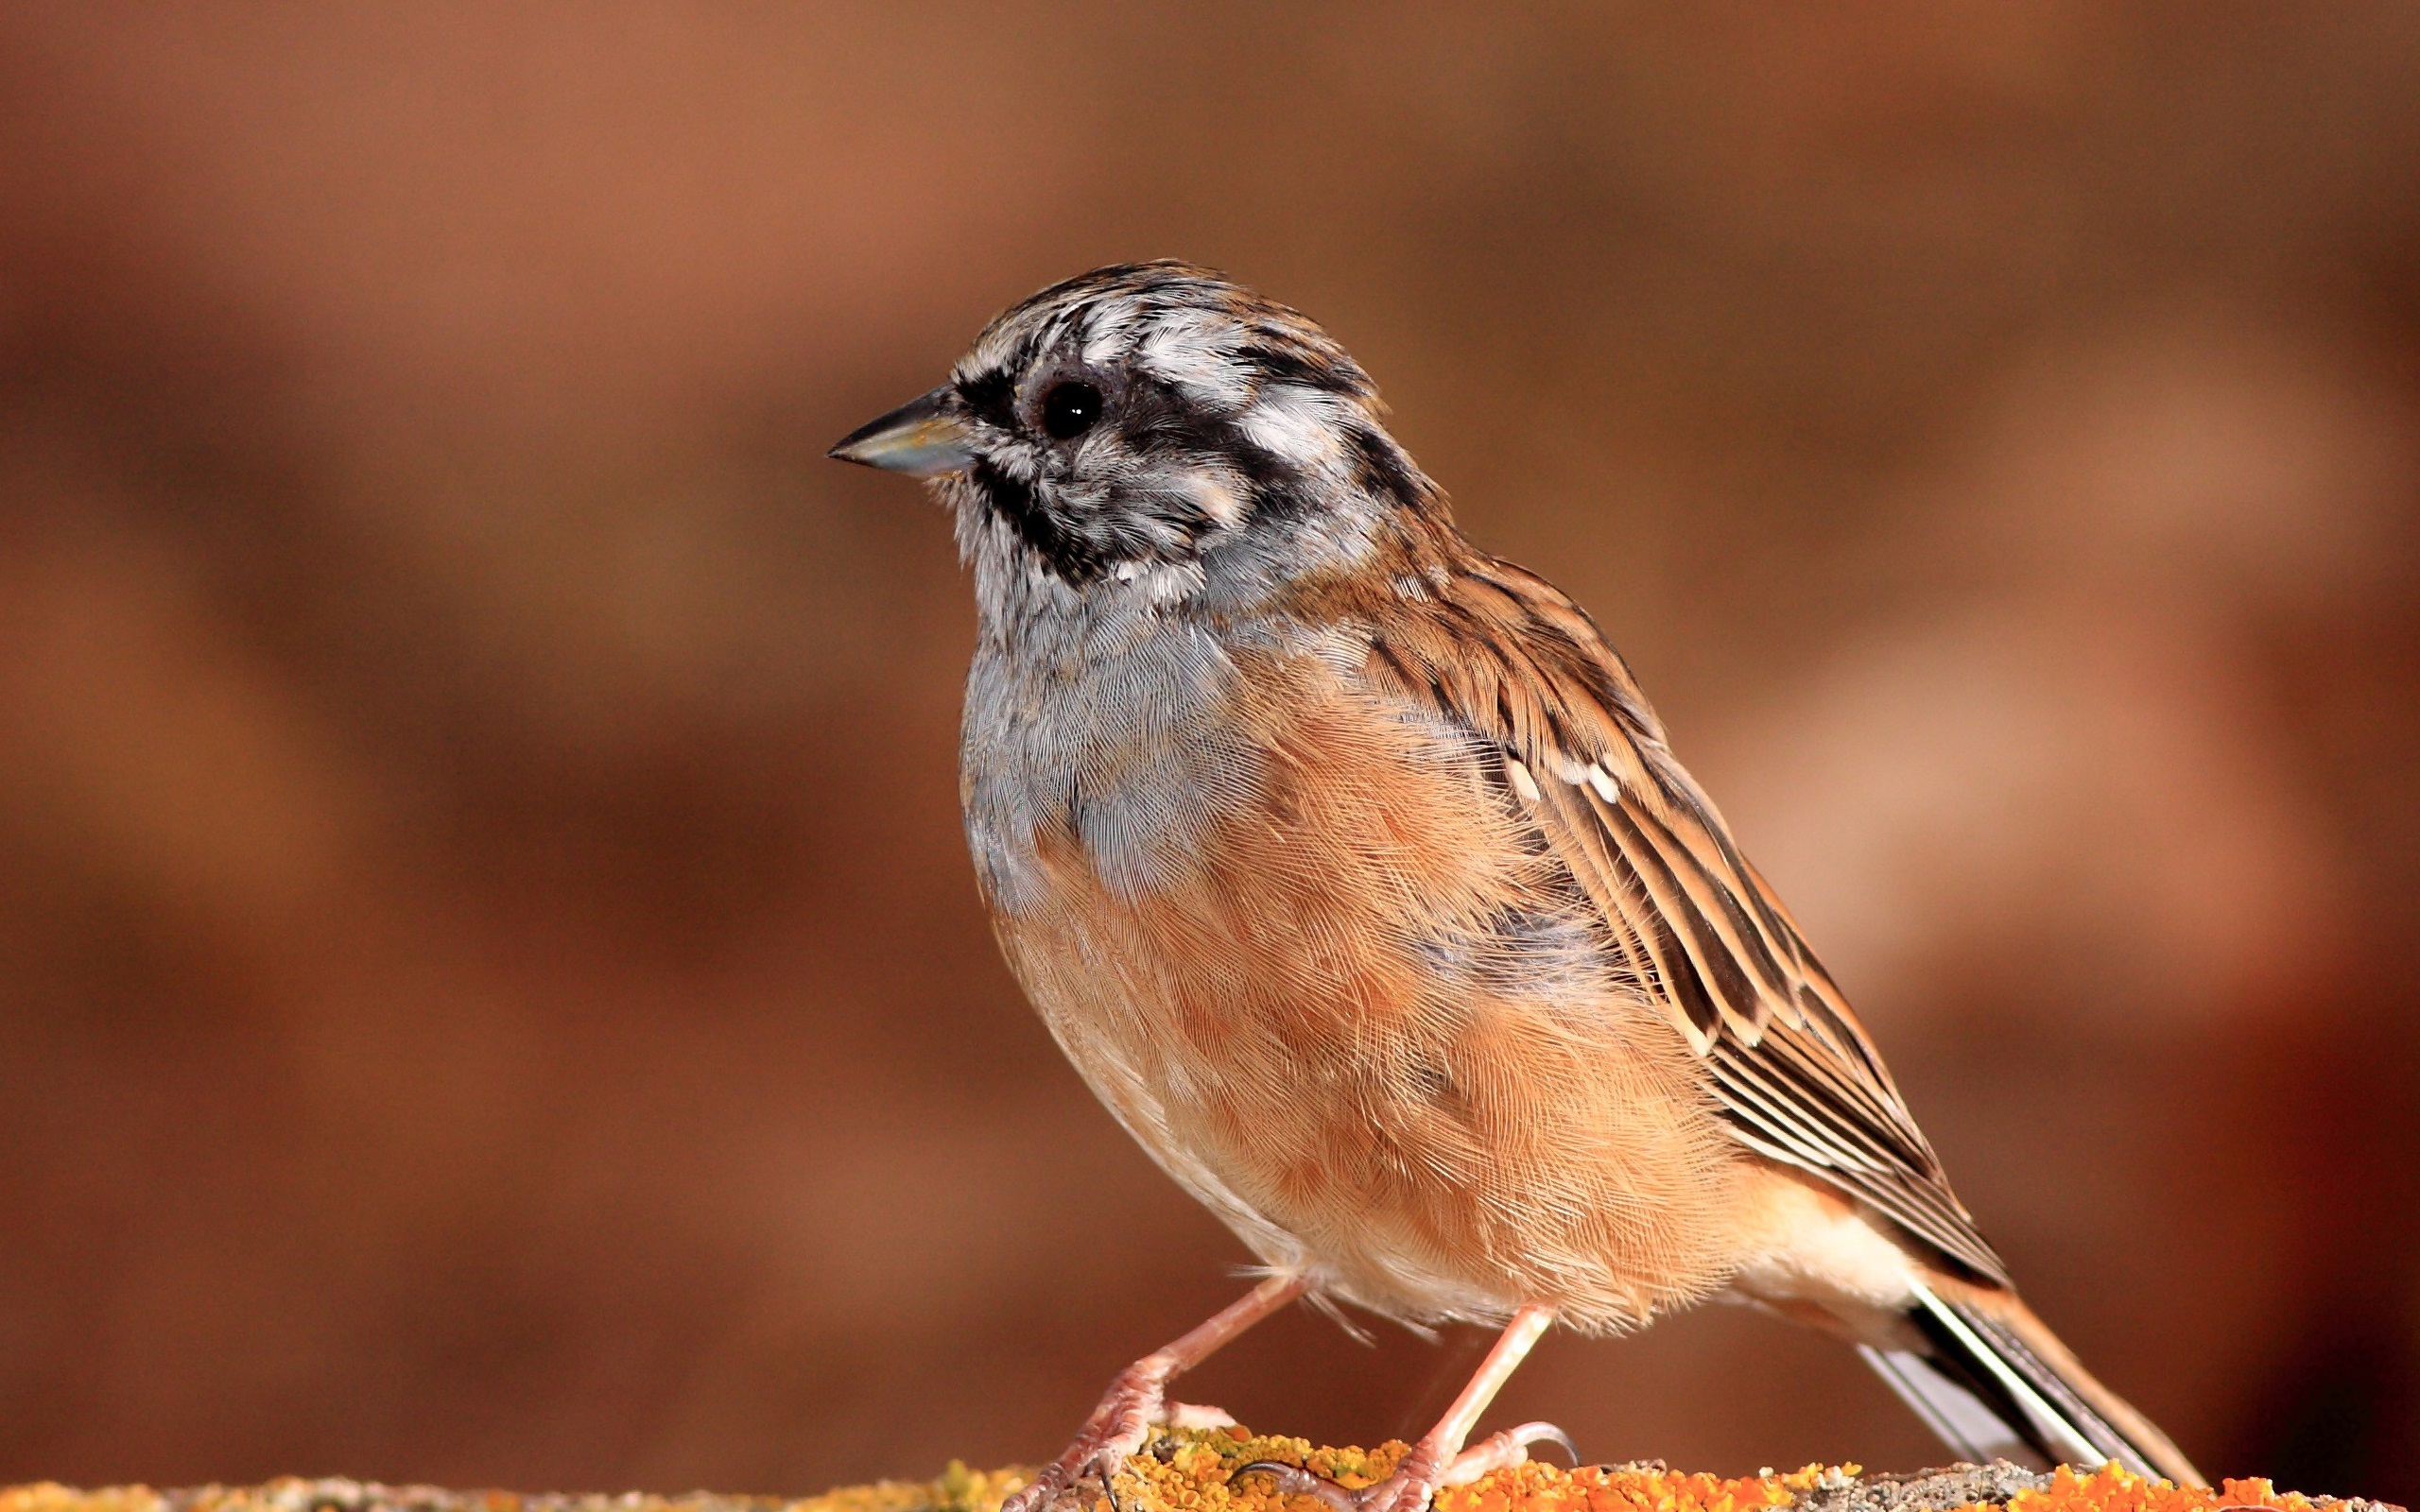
(1439, 1458)
(1138, 1400)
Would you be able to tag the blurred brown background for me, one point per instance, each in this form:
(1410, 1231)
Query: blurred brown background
(490, 989)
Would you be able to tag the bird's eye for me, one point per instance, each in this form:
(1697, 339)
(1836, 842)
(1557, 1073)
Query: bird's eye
(1070, 409)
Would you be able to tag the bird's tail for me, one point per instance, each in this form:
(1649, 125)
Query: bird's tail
(1993, 1381)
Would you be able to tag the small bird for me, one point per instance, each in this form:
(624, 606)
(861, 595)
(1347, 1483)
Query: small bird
(1352, 870)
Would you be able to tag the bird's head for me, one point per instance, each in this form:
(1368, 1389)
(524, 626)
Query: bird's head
(1141, 422)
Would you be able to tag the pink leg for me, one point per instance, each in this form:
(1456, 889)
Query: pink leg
(1138, 1400)
(1439, 1458)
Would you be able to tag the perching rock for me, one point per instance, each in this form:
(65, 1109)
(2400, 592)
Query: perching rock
(1194, 1470)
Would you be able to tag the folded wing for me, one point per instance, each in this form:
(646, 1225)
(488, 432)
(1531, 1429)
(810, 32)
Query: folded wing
(1506, 657)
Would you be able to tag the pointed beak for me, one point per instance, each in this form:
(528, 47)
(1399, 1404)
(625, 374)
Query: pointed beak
(922, 437)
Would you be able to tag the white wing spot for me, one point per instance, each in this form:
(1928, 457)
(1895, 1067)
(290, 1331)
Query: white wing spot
(1522, 781)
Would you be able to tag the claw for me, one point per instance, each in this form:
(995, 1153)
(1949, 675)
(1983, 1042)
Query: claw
(1549, 1434)
(1055, 1479)
(1502, 1451)
(1292, 1480)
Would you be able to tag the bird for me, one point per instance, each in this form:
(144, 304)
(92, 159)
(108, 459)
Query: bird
(1355, 876)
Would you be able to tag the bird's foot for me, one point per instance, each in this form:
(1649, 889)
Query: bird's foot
(1422, 1472)
(1135, 1404)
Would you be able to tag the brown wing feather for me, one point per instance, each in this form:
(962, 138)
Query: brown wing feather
(1501, 652)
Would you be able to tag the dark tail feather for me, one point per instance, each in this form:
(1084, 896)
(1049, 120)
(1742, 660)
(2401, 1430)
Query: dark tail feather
(1995, 1383)
(1957, 1416)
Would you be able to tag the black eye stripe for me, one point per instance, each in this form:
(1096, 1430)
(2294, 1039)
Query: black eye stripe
(991, 398)
(1276, 363)
(1381, 467)
(1157, 421)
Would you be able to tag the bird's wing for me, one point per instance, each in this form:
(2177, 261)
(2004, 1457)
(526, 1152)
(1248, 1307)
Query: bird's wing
(1509, 658)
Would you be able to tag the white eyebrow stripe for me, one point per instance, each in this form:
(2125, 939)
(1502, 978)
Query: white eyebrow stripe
(1106, 333)
(1194, 350)
(1294, 423)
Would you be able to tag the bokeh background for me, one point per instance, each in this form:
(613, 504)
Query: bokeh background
(490, 989)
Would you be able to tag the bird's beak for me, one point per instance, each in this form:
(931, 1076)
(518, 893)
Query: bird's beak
(922, 437)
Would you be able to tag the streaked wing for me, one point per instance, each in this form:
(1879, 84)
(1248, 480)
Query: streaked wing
(1507, 656)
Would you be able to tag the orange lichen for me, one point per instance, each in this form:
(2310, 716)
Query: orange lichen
(48, 1496)
(2111, 1490)
(1198, 1470)
(1536, 1487)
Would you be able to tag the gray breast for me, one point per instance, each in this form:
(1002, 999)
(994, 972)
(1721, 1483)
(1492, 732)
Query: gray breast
(1104, 719)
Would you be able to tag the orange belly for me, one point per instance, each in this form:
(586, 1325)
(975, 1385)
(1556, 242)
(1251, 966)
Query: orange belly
(1381, 1036)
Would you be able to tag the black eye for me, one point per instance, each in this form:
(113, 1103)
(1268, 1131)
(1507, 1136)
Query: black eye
(1070, 409)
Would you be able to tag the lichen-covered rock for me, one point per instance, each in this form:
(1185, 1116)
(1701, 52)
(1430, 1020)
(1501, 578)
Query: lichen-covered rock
(1196, 1470)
